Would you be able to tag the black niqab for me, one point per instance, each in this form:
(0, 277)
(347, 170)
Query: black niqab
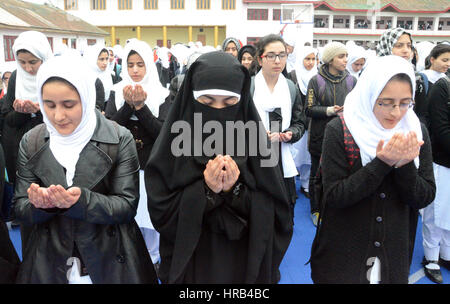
(176, 189)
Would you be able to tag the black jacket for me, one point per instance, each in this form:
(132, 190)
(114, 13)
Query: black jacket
(439, 109)
(316, 106)
(368, 212)
(9, 261)
(145, 130)
(15, 126)
(101, 224)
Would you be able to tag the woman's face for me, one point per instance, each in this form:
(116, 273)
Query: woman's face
(136, 67)
(218, 101)
(339, 62)
(391, 104)
(102, 60)
(273, 60)
(111, 56)
(441, 64)
(403, 47)
(29, 62)
(309, 61)
(247, 60)
(62, 105)
(231, 49)
(6, 77)
(358, 64)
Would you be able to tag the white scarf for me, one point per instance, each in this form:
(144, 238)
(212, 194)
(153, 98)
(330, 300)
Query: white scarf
(359, 103)
(156, 93)
(303, 75)
(91, 55)
(433, 75)
(355, 53)
(266, 102)
(37, 44)
(67, 149)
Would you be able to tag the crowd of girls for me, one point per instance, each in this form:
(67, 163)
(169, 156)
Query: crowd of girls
(107, 191)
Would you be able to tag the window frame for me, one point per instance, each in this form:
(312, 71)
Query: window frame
(72, 7)
(150, 4)
(257, 14)
(228, 5)
(8, 42)
(177, 4)
(100, 7)
(203, 4)
(126, 5)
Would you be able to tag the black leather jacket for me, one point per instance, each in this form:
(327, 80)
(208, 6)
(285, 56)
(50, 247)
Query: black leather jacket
(100, 225)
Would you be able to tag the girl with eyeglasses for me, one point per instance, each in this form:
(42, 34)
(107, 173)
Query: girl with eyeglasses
(377, 173)
(278, 100)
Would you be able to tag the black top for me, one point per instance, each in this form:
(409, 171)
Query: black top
(439, 100)
(316, 106)
(369, 211)
(239, 237)
(145, 130)
(15, 126)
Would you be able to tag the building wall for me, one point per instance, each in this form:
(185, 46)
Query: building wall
(231, 23)
(164, 16)
(81, 41)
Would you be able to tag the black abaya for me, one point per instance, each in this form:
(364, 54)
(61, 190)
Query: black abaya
(236, 237)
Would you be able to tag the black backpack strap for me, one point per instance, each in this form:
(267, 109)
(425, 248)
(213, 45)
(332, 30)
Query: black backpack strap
(351, 148)
(111, 150)
(36, 139)
(252, 86)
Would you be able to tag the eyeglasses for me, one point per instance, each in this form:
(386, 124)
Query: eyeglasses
(271, 56)
(387, 104)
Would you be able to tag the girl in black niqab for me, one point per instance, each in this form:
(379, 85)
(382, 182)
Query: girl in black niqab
(238, 236)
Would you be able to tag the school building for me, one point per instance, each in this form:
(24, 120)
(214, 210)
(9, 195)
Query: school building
(165, 22)
(59, 27)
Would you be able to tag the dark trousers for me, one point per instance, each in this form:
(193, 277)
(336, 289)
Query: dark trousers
(312, 178)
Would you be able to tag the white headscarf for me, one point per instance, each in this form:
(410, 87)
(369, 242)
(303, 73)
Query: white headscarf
(67, 148)
(37, 44)
(303, 75)
(266, 102)
(156, 93)
(359, 103)
(91, 55)
(356, 53)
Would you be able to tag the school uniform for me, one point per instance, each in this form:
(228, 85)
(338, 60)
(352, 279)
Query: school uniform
(145, 125)
(369, 207)
(96, 240)
(436, 217)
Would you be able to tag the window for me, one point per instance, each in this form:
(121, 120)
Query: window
(203, 4)
(253, 40)
(177, 4)
(91, 41)
(276, 14)
(125, 4)
(150, 4)
(73, 43)
(70, 4)
(98, 4)
(257, 14)
(8, 42)
(228, 4)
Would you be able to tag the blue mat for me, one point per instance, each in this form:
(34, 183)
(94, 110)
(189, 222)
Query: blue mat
(293, 269)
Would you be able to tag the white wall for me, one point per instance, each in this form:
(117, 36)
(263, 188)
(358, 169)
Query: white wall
(57, 38)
